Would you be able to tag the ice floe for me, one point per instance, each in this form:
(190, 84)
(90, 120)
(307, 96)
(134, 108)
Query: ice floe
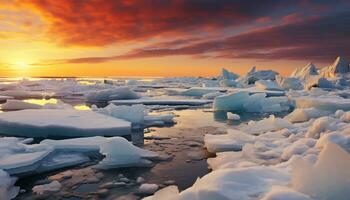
(58, 122)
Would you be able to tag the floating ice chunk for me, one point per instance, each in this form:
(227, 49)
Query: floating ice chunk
(284, 193)
(305, 114)
(233, 101)
(232, 116)
(148, 188)
(191, 102)
(54, 186)
(121, 153)
(268, 124)
(13, 104)
(228, 75)
(131, 82)
(328, 178)
(167, 193)
(289, 83)
(232, 141)
(228, 83)
(254, 102)
(235, 184)
(254, 75)
(199, 91)
(112, 94)
(267, 85)
(68, 123)
(7, 188)
(23, 94)
(134, 113)
(212, 95)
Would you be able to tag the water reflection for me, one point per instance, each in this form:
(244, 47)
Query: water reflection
(82, 107)
(41, 101)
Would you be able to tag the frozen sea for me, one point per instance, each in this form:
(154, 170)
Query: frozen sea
(258, 136)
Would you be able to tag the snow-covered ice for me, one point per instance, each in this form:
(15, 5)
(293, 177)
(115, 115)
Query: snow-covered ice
(58, 122)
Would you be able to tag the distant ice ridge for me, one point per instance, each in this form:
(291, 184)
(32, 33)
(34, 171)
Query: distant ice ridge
(275, 158)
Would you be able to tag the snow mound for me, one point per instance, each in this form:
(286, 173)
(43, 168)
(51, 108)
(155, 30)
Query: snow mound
(234, 184)
(305, 114)
(284, 193)
(328, 178)
(68, 123)
(268, 124)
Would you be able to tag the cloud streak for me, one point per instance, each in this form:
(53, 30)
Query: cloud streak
(317, 38)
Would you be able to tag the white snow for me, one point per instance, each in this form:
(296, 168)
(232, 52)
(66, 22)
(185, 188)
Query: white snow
(232, 116)
(328, 178)
(69, 123)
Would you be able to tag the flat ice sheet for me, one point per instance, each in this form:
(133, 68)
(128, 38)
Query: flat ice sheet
(67, 123)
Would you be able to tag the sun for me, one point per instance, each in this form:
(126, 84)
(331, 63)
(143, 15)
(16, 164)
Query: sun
(21, 65)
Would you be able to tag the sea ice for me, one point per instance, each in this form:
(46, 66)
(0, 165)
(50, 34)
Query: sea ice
(328, 178)
(191, 102)
(68, 123)
(267, 85)
(232, 141)
(112, 94)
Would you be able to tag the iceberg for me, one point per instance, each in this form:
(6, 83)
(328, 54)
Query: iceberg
(61, 123)
(254, 75)
(339, 67)
(233, 101)
(225, 74)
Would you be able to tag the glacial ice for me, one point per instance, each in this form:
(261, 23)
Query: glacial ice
(58, 122)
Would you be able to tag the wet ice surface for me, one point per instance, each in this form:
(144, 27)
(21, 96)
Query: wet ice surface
(183, 142)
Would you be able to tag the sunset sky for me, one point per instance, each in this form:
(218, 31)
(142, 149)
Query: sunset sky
(169, 37)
